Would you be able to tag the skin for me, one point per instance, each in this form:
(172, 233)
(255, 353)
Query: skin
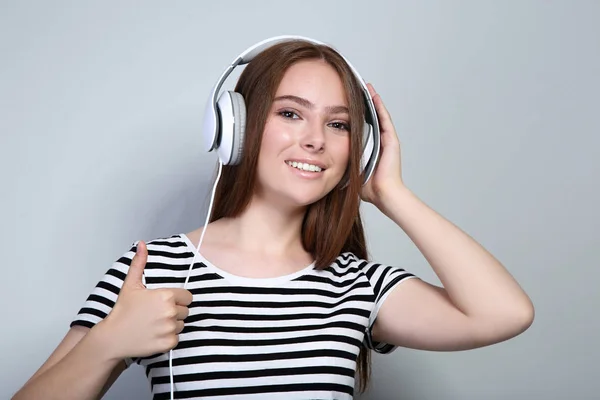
(310, 125)
(478, 304)
(88, 361)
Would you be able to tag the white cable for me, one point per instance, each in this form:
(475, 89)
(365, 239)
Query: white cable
(212, 197)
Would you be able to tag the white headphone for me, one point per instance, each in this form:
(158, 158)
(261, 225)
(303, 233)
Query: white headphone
(225, 115)
(225, 122)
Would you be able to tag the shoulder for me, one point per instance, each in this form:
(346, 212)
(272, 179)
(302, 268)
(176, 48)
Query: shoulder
(381, 276)
(350, 266)
(349, 261)
(344, 263)
(169, 260)
(162, 251)
(171, 244)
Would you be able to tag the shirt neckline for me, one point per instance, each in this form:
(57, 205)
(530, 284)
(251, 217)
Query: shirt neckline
(243, 280)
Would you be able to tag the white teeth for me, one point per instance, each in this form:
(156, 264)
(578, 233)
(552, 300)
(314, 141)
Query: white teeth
(304, 166)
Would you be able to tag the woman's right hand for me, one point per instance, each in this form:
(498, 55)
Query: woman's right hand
(144, 322)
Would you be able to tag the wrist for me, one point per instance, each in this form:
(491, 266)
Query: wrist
(101, 341)
(391, 197)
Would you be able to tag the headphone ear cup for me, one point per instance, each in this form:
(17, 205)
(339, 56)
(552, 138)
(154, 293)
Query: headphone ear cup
(239, 128)
(231, 108)
(368, 145)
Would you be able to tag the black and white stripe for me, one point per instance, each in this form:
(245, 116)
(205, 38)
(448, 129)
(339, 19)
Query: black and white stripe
(293, 337)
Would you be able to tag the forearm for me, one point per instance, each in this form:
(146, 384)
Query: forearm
(475, 281)
(81, 374)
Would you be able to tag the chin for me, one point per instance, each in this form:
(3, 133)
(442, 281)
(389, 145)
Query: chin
(301, 200)
(294, 192)
(307, 201)
(293, 196)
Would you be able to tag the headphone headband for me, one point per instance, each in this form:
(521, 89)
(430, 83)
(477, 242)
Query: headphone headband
(252, 51)
(211, 118)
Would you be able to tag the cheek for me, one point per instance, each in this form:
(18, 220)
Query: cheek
(275, 138)
(342, 150)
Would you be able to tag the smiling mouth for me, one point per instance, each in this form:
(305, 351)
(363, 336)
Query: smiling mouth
(304, 166)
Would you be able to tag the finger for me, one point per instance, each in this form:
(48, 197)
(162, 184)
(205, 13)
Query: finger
(179, 326)
(382, 112)
(371, 89)
(183, 297)
(136, 268)
(385, 119)
(182, 313)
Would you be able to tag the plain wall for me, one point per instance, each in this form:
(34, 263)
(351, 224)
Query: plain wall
(496, 105)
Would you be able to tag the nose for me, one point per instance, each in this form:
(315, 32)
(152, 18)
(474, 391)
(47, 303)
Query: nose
(313, 139)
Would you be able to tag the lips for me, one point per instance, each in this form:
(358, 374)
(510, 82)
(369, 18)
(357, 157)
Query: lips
(308, 161)
(305, 166)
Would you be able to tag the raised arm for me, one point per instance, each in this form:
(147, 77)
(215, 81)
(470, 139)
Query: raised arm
(479, 304)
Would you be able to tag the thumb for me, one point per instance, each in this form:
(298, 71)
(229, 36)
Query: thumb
(136, 268)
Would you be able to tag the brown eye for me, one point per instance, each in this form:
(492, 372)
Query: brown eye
(288, 114)
(340, 126)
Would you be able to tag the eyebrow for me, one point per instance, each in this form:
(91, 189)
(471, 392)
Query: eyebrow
(307, 104)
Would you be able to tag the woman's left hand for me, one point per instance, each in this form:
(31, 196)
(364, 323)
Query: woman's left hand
(388, 173)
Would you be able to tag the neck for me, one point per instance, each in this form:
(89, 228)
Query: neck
(263, 228)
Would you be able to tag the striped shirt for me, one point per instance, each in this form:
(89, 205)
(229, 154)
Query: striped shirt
(292, 337)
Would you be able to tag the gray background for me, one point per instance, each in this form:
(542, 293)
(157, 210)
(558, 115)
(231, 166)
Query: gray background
(496, 105)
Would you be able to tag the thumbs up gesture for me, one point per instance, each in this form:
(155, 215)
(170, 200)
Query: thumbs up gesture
(145, 321)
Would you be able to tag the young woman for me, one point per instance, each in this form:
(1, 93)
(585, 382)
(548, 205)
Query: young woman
(282, 301)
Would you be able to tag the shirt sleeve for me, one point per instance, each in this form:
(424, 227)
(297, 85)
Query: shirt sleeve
(104, 295)
(383, 279)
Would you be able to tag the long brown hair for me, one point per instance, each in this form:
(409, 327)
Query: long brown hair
(332, 225)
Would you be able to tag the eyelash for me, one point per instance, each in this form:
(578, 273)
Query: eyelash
(343, 125)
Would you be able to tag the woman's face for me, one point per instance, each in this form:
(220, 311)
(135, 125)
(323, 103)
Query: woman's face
(306, 141)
